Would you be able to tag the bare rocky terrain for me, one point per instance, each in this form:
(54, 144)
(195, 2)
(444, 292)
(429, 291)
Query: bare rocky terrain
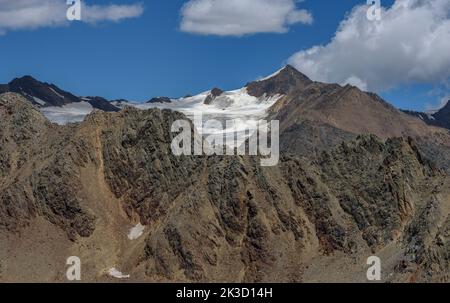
(344, 190)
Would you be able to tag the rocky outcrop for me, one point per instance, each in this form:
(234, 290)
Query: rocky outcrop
(215, 92)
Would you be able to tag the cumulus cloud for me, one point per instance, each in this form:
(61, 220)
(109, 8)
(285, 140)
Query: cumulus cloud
(31, 14)
(441, 94)
(444, 101)
(410, 45)
(241, 17)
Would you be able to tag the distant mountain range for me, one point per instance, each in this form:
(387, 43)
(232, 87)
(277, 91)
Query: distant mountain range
(286, 82)
(303, 105)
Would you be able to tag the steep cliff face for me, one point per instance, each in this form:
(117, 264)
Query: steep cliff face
(210, 218)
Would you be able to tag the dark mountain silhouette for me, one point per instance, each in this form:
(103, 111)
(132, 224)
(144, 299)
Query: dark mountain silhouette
(44, 94)
(440, 118)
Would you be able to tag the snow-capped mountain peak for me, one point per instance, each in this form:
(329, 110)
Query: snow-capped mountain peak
(272, 75)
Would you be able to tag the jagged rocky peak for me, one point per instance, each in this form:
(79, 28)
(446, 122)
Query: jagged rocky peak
(19, 121)
(213, 94)
(444, 112)
(25, 81)
(11, 103)
(442, 117)
(282, 82)
(40, 93)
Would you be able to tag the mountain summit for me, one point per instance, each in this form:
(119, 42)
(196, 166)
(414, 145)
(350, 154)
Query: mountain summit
(283, 82)
(40, 93)
(443, 116)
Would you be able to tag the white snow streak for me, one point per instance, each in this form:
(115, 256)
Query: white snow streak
(136, 231)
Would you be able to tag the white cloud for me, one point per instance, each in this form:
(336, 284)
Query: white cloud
(444, 101)
(410, 45)
(113, 12)
(434, 107)
(31, 14)
(241, 17)
(441, 94)
(355, 81)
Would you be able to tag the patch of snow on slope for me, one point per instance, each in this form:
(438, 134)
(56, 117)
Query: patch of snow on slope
(272, 75)
(58, 94)
(39, 101)
(136, 231)
(113, 272)
(69, 113)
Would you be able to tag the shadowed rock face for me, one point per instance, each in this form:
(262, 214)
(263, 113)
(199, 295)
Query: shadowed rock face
(216, 218)
(44, 94)
(441, 118)
(215, 92)
(101, 104)
(49, 93)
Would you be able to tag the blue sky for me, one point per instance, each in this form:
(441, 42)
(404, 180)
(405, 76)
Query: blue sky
(149, 55)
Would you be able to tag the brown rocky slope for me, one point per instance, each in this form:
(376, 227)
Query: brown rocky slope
(317, 116)
(76, 190)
